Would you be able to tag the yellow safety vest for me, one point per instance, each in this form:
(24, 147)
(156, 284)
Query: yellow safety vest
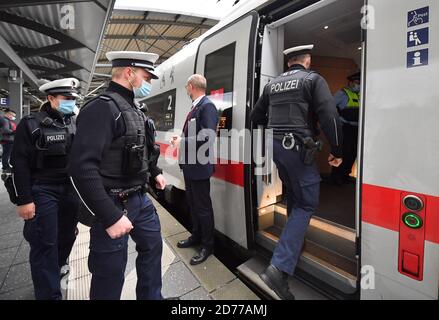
(353, 98)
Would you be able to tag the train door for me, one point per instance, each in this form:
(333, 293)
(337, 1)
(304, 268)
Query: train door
(400, 185)
(226, 59)
(330, 251)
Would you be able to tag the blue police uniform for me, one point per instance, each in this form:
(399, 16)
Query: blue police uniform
(108, 257)
(290, 105)
(39, 159)
(109, 170)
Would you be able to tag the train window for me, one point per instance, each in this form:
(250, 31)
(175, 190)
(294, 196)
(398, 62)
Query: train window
(219, 72)
(161, 109)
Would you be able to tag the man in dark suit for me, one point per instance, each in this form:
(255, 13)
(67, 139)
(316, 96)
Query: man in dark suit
(196, 160)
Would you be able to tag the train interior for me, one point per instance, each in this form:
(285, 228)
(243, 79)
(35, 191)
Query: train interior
(329, 252)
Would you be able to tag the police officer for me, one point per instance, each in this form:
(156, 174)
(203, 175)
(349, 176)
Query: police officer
(348, 104)
(109, 171)
(44, 195)
(291, 105)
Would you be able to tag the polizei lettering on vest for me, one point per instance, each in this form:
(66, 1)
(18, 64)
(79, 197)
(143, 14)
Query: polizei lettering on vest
(55, 138)
(284, 86)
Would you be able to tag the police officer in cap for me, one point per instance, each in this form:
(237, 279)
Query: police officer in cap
(109, 169)
(291, 105)
(347, 101)
(44, 196)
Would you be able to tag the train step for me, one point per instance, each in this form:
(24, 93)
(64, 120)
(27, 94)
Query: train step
(250, 270)
(329, 251)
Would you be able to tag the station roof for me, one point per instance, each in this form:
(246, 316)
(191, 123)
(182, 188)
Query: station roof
(148, 31)
(52, 39)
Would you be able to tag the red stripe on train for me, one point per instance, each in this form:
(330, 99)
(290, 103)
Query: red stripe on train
(227, 170)
(382, 207)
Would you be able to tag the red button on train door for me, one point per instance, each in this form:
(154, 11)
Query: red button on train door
(410, 263)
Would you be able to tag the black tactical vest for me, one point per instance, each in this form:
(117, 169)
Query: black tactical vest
(124, 163)
(289, 109)
(52, 141)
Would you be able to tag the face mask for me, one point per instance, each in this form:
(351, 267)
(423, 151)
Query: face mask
(143, 91)
(67, 106)
(13, 118)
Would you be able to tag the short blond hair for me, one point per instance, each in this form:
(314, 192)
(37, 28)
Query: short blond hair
(198, 81)
(116, 72)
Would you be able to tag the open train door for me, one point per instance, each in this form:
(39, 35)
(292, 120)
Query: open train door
(226, 59)
(400, 176)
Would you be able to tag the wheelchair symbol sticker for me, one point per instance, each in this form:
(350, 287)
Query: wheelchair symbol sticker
(418, 16)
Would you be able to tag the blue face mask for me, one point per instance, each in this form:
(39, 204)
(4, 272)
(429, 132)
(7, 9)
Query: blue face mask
(143, 91)
(67, 106)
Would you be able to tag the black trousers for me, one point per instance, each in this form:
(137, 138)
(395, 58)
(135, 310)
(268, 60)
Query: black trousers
(350, 142)
(51, 235)
(200, 206)
(7, 150)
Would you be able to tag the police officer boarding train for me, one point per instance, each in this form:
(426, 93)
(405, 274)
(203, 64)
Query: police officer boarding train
(41, 188)
(291, 105)
(109, 169)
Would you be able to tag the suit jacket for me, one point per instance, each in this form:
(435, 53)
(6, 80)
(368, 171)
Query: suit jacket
(203, 116)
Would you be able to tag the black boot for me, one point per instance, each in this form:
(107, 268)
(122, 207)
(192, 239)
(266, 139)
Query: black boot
(278, 282)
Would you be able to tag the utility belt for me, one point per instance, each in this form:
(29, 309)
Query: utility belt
(307, 146)
(122, 194)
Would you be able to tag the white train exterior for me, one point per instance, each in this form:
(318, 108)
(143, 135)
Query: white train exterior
(398, 152)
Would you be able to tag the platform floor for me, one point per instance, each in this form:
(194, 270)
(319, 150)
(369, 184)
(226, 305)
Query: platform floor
(15, 277)
(210, 280)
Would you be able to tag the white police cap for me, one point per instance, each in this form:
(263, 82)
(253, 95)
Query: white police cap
(136, 59)
(297, 51)
(65, 87)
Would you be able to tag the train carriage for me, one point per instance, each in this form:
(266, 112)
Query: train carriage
(385, 227)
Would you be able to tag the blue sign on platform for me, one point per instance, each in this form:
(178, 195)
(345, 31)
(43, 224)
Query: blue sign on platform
(4, 102)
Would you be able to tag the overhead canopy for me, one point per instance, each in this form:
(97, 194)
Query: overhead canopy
(53, 39)
(163, 33)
